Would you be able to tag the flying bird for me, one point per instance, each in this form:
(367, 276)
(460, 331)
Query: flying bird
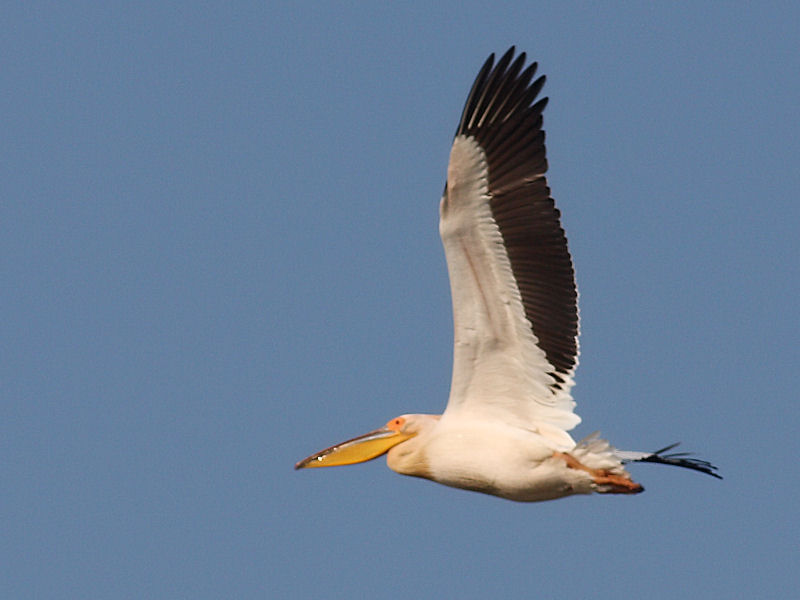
(515, 312)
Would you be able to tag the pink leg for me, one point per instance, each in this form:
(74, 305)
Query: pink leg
(608, 483)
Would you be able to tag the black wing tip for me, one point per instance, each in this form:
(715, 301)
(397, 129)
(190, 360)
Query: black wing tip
(501, 75)
(508, 55)
(681, 459)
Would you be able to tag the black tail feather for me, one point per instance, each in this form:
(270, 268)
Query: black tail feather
(680, 459)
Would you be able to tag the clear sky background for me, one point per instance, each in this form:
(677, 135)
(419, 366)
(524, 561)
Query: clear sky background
(219, 253)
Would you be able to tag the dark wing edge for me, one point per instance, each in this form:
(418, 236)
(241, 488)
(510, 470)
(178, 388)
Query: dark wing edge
(505, 118)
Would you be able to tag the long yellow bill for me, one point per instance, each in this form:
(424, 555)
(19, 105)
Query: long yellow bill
(364, 447)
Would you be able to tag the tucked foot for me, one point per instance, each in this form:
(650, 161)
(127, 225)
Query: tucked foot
(605, 481)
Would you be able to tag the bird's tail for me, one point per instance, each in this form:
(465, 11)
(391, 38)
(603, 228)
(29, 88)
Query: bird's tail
(678, 459)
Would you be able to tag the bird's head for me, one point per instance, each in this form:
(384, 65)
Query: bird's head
(370, 445)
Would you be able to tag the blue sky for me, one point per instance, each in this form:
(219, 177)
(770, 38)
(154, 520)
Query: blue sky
(219, 254)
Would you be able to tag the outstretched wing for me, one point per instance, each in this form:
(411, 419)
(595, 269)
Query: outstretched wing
(515, 304)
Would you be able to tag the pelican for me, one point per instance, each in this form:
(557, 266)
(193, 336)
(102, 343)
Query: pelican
(505, 429)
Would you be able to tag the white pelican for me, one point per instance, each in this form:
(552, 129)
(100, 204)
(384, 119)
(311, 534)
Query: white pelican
(515, 313)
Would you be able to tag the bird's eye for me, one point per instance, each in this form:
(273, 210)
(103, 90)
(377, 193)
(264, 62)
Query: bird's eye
(396, 424)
